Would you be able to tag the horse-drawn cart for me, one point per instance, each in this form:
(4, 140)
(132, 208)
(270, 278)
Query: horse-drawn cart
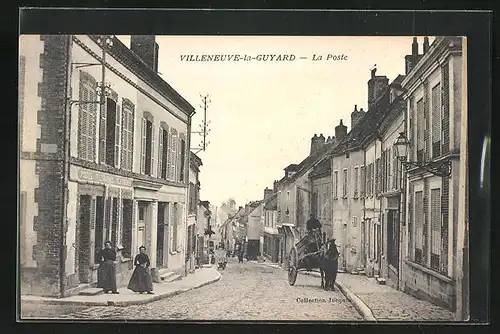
(305, 256)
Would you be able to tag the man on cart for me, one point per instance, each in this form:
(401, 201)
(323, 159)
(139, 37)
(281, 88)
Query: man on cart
(314, 233)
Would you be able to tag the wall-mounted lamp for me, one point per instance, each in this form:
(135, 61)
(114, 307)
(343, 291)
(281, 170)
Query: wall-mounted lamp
(439, 168)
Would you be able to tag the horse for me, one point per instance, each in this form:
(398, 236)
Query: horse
(329, 263)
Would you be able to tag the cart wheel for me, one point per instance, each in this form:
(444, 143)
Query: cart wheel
(292, 267)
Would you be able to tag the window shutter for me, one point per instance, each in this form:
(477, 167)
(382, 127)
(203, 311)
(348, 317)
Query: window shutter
(183, 159)
(102, 132)
(92, 124)
(83, 120)
(118, 137)
(131, 131)
(169, 155)
(152, 162)
(124, 138)
(143, 146)
(173, 155)
(160, 151)
(179, 242)
(178, 160)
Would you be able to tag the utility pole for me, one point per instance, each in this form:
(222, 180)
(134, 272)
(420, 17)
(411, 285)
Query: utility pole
(204, 130)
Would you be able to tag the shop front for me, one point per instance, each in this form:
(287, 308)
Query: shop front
(103, 212)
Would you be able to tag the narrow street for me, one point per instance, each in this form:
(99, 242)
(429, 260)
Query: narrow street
(248, 291)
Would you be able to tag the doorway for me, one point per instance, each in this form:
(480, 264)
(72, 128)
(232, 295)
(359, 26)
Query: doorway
(363, 244)
(84, 239)
(344, 245)
(141, 225)
(162, 235)
(393, 239)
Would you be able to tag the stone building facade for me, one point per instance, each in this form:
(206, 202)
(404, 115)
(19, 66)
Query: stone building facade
(96, 169)
(433, 243)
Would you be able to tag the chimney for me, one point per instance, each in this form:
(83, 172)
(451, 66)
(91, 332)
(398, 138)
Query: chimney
(317, 143)
(377, 85)
(340, 131)
(356, 116)
(426, 44)
(412, 60)
(146, 48)
(267, 193)
(275, 186)
(240, 208)
(414, 47)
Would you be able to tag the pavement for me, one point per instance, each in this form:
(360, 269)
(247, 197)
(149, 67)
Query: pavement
(246, 291)
(377, 302)
(199, 278)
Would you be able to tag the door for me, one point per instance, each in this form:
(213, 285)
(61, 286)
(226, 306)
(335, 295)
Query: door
(141, 226)
(363, 243)
(344, 245)
(393, 239)
(160, 235)
(84, 239)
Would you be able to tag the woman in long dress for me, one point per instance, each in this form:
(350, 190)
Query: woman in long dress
(141, 278)
(106, 274)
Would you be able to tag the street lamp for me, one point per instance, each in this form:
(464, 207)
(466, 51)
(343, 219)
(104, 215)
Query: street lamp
(439, 168)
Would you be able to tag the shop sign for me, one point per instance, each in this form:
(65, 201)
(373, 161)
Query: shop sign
(99, 177)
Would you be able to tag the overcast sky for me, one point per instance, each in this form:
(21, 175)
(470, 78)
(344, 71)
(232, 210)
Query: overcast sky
(263, 114)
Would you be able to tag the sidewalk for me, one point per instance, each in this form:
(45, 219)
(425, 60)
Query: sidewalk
(382, 303)
(199, 278)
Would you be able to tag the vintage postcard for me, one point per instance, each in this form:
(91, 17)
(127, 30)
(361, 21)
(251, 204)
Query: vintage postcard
(285, 178)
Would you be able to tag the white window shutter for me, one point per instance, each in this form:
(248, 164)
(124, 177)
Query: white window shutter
(92, 125)
(179, 164)
(102, 132)
(152, 169)
(160, 151)
(143, 146)
(83, 126)
(131, 131)
(174, 155)
(124, 139)
(171, 226)
(118, 137)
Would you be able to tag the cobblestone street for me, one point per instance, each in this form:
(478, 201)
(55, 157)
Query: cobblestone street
(248, 291)
(388, 304)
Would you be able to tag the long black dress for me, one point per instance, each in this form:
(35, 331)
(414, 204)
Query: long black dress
(141, 278)
(106, 274)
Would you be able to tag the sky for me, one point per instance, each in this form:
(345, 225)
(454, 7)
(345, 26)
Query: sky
(263, 114)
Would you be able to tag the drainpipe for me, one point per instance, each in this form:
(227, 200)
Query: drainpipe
(66, 148)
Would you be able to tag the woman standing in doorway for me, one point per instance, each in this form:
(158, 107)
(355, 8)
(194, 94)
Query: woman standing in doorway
(141, 278)
(106, 274)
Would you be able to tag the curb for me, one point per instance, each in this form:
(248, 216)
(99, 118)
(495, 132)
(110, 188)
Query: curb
(125, 302)
(360, 306)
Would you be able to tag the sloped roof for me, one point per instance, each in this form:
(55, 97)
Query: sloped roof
(196, 159)
(368, 126)
(135, 64)
(325, 166)
(397, 82)
(272, 202)
(308, 162)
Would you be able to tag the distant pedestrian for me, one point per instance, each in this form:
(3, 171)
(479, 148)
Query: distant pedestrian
(106, 274)
(141, 280)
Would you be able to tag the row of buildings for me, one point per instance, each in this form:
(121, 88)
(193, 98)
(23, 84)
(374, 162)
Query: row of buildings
(104, 155)
(392, 190)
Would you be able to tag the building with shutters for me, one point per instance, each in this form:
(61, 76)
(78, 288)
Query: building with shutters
(272, 239)
(193, 221)
(294, 195)
(98, 168)
(435, 93)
